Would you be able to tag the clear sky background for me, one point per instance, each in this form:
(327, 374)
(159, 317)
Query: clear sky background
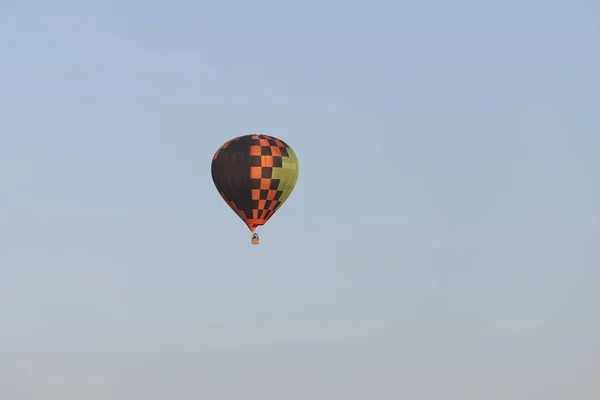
(442, 240)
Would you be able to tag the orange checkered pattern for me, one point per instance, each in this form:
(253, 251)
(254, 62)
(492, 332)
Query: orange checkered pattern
(266, 153)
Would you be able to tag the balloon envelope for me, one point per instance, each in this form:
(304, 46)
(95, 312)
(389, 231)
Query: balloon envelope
(255, 174)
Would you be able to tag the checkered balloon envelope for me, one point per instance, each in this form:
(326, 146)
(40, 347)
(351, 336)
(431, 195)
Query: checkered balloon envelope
(255, 174)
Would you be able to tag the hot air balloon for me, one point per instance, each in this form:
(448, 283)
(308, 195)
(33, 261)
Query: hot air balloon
(255, 174)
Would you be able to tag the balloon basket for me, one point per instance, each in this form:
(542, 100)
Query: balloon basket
(255, 239)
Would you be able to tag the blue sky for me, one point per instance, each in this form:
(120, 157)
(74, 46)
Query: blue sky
(441, 240)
